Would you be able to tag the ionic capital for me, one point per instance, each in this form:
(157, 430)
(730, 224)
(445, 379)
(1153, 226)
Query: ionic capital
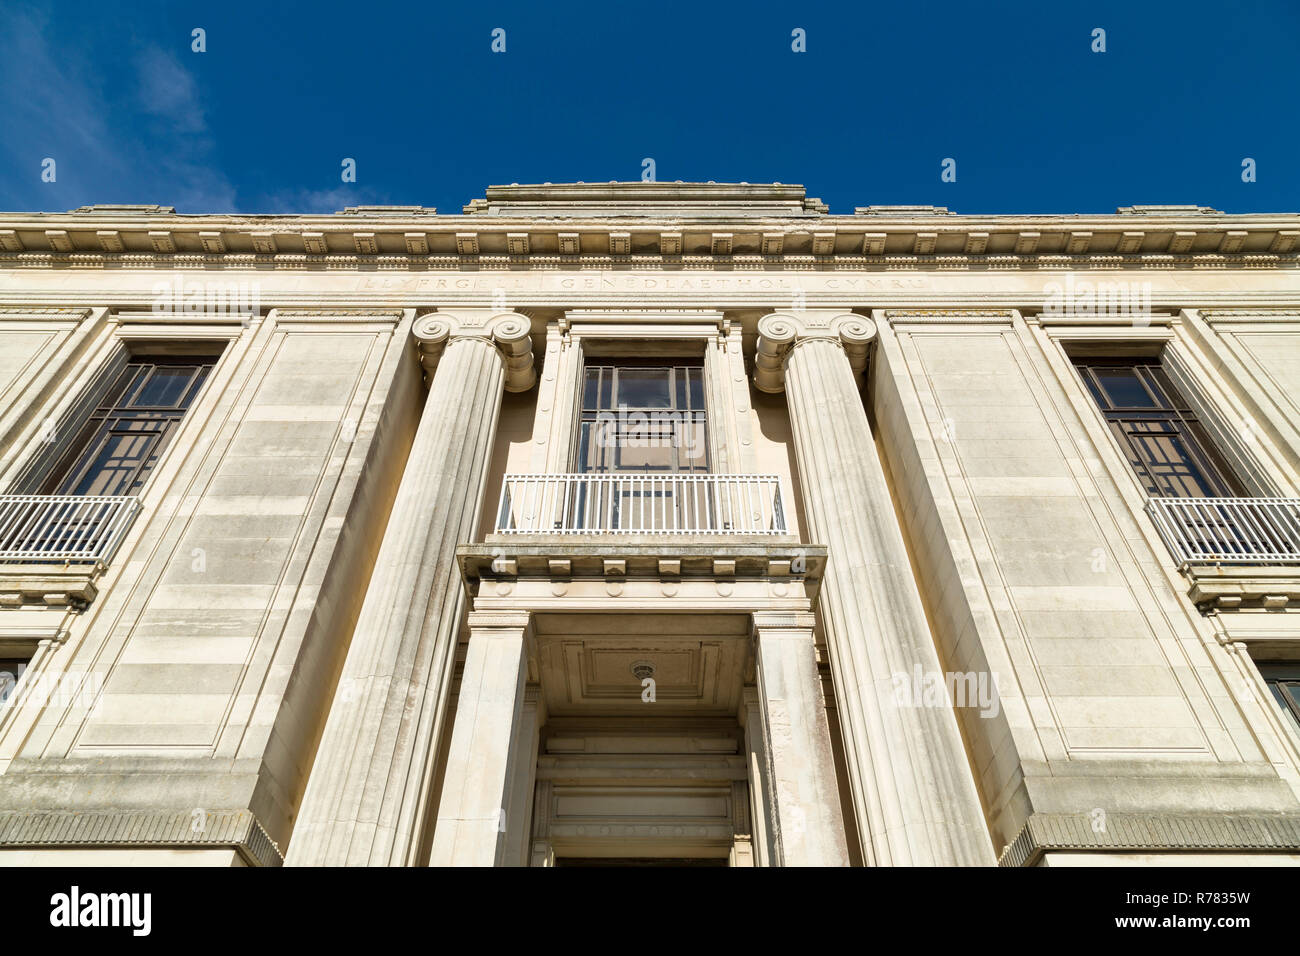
(781, 331)
(509, 332)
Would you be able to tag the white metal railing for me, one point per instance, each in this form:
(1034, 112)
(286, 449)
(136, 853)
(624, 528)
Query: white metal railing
(626, 503)
(64, 528)
(1229, 530)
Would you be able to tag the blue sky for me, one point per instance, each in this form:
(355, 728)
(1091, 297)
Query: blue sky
(1012, 91)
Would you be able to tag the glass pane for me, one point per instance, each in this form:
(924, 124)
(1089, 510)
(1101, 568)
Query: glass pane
(693, 445)
(697, 388)
(591, 388)
(1163, 386)
(165, 387)
(1283, 693)
(1292, 691)
(644, 388)
(606, 387)
(645, 443)
(117, 466)
(596, 443)
(1124, 388)
(1159, 452)
(680, 375)
(10, 672)
(124, 386)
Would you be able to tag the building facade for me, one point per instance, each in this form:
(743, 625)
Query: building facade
(638, 523)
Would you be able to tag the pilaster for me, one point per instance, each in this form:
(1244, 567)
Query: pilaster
(800, 768)
(479, 791)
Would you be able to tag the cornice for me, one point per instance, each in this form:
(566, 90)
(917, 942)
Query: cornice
(879, 239)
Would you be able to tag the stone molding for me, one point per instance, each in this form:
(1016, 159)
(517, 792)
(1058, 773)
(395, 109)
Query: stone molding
(479, 621)
(102, 829)
(897, 317)
(1152, 833)
(784, 621)
(509, 332)
(36, 312)
(170, 317)
(780, 332)
(1234, 588)
(47, 584)
(341, 316)
(1250, 316)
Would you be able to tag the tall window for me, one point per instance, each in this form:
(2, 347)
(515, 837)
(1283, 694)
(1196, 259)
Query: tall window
(643, 417)
(1166, 446)
(126, 434)
(1284, 681)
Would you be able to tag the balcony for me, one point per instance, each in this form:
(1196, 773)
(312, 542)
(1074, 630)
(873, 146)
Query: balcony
(1229, 530)
(641, 504)
(1236, 552)
(63, 529)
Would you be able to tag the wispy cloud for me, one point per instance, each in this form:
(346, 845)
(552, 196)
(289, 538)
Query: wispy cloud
(138, 138)
(318, 200)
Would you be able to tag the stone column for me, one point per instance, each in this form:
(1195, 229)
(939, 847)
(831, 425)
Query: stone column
(808, 829)
(368, 797)
(914, 796)
(482, 762)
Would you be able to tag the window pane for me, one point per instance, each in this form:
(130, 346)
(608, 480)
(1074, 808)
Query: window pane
(590, 389)
(1159, 451)
(116, 467)
(692, 444)
(125, 385)
(165, 386)
(697, 388)
(1286, 697)
(1292, 691)
(644, 388)
(10, 673)
(1124, 388)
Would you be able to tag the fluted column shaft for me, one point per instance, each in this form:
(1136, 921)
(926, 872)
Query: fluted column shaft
(913, 795)
(368, 798)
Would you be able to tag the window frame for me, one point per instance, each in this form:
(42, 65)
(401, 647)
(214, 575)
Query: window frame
(1289, 704)
(675, 364)
(112, 414)
(1206, 463)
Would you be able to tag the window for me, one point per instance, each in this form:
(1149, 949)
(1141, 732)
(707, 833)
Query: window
(126, 434)
(1158, 431)
(11, 671)
(1284, 681)
(643, 418)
